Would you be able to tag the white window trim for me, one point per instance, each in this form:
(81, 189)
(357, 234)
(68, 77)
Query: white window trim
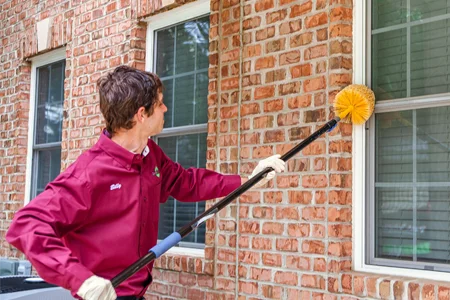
(180, 14)
(360, 47)
(36, 62)
(185, 12)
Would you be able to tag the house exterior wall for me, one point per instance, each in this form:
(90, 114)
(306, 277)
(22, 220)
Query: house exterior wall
(275, 67)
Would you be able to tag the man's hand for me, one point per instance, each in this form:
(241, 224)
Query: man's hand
(274, 162)
(95, 288)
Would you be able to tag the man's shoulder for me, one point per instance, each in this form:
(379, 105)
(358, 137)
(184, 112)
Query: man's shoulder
(85, 162)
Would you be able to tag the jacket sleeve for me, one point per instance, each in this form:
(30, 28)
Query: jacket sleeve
(195, 184)
(38, 228)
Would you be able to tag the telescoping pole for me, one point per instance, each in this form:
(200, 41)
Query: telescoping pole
(177, 236)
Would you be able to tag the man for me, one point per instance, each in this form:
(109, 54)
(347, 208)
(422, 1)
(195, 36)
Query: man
(101, 214)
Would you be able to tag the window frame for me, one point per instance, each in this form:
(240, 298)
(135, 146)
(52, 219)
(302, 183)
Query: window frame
(36, 62)
(186, 12)
(363, 154)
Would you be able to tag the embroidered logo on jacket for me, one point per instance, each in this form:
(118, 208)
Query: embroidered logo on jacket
(156, 172)
(115, 186)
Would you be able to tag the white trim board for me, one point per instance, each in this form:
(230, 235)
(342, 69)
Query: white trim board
(188, 11)
(36, 62)
(361, 46)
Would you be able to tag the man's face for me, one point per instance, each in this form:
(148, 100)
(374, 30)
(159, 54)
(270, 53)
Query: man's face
(155, 122)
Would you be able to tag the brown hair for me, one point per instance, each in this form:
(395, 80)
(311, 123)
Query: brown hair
(122, 92)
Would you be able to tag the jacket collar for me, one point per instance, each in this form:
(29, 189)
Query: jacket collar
(122, 155)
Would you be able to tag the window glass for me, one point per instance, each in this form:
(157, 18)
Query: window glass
(182, 63)
(48, 125)
(189, 151)
(410, 57)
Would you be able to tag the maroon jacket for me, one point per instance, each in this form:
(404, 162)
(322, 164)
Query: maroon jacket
(101, 214)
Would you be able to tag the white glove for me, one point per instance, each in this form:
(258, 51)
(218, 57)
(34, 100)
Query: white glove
(95, 288)
(274, 162)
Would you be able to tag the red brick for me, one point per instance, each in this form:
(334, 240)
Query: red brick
(385, 289)
(276, 16)
(298, 10)
(298, 263)
(313, 281)
(272, 292)
(413, 291)
(316, 20)
(287, 278)
(248, 287)
(399, 290)
(269, 259)
(260, 274)
(341, 30)
(264, 92)
(261, 243)
(290, 245)
(298, 230)
(290, 27)
(262, 5)
(313, 247)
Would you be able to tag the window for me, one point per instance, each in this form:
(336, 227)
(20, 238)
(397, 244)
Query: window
(407, 221)
(181, 60)
(46, 111)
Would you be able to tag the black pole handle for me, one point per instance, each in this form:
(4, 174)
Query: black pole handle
(199, 220)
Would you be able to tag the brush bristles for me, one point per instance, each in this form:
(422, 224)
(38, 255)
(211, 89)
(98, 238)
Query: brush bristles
(355, 104)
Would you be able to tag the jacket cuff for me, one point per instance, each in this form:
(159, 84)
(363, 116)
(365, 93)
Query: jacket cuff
(230, 183)
(77, 274)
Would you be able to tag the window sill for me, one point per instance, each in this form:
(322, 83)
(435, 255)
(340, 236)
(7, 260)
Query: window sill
(413, 274)
(193, 252)
(185, 260)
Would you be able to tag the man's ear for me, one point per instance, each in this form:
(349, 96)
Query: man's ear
(141, 113)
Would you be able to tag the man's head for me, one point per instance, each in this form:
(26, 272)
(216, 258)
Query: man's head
(127, 95)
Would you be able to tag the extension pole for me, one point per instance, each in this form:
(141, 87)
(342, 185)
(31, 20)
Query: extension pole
(176, 237)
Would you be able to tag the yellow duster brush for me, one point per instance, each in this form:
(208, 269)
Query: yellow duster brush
(355, 104)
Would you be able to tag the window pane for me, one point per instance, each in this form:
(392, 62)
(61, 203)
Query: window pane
(184, 99)
(433, 225)
(421, 9)
(201, 98)
(189, 151)
(394, 238)
(165, 46)
(182, 63)
(413, 152)
(50, 98)
(389, 65)
(413, 225)
(168, 101)
(393, 141)
(388, 13)
(399, 140)
(202, 42)
(430, 58)
(185, 44)
(433, 145)
(48, 167)
(166, 219)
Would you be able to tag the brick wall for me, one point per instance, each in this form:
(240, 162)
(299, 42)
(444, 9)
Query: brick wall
(275, 67)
